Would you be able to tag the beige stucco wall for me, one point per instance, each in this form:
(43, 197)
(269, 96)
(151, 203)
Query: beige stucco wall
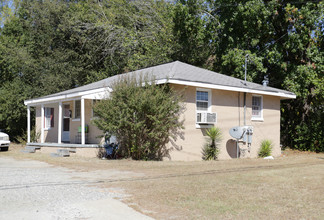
(229, 114)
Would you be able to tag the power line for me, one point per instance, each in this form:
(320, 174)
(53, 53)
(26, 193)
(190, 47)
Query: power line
(272, 43)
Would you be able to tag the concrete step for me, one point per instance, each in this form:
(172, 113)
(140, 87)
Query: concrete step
(59, 155)
(63, 152)
(29, 149)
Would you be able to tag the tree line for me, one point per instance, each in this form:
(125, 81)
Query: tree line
(49, 46)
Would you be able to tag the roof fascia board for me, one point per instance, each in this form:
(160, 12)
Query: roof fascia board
(228, 88)
(99, 95)
(66, 97)
(51, 102)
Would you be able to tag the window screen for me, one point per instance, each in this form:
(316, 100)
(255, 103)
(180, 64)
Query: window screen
(77, 109)
(256, 106)
(49, 118)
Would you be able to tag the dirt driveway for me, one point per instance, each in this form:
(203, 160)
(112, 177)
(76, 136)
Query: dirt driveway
(37, 190)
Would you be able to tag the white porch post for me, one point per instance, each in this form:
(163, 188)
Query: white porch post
(28, 124)
(82, 122)
(59, 132)
(42, 123)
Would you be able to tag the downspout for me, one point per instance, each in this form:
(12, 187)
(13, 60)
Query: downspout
(239, 107)
(245, 109)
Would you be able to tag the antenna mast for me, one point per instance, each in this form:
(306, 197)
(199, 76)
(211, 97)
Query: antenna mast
(245, 71)
(245, 67)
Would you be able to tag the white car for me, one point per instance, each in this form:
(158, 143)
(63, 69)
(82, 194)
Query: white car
(4, 141)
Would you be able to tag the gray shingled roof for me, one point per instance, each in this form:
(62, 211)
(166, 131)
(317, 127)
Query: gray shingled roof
(178, 71)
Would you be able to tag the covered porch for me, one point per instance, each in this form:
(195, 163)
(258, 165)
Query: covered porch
(64, 119)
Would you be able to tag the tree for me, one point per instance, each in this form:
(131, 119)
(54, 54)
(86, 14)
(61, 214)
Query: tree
(193, 31)
(303, 118)
(13, 115)
(143, 118)
(129, 35)
(285, 42)
(51, 46)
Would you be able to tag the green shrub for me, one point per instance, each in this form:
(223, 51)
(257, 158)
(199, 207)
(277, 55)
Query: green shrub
(210, 150)
(143, 116)
(209, 153)
(265, 149)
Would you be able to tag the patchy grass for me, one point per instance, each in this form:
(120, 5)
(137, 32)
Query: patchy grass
(289, 187)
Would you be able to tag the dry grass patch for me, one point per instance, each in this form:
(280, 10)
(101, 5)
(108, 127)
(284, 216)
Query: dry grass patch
(289, 187)
(292, 193)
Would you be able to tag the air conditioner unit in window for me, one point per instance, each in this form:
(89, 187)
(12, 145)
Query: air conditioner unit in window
(206, 118)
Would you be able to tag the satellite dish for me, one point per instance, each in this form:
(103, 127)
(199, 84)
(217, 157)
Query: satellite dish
(237, 132)
(240, 132)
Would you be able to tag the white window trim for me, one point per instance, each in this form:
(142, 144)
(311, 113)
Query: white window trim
(257, 118)
(74, 110)
(209, 107)
(209, 99)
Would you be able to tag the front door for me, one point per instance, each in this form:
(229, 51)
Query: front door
(66, 123)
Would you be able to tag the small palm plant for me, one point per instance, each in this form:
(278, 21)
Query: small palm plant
(266, 148)
(210, 150)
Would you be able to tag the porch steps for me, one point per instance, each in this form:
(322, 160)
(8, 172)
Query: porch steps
(63, 152)
(30, 149)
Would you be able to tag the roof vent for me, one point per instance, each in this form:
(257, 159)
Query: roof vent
(265, 82)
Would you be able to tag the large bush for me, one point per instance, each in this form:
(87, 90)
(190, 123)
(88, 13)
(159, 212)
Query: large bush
(143, 116)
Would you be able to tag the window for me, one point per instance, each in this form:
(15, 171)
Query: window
(202, 100)
(94, 102)
(49, 118)
(204, 117)
(257, 107)
(77, 108)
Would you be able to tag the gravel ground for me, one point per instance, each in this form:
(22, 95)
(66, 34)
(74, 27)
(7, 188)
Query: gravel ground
(36, 190)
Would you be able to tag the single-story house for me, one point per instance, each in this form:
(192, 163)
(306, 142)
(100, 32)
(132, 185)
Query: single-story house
(211, 99)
